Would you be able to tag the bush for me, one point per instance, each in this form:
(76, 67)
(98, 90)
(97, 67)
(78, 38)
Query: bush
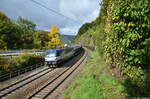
(22, 61)
(27, 60)
(6, 65)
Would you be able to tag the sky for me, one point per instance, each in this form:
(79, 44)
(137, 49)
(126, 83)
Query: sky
(78, 11)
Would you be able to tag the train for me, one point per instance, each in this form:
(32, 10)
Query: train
(54, 57)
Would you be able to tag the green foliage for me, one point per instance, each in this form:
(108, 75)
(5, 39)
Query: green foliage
(85, 39)
(22, 61)
(127, 38)
(131, 26)
(11, 34)
(3, 45)
(26, 24)
(84, 28)
(41, 39)
(122, 35)
(21, 34)
(27, 60)
(66, 39)
(7, 65)
(7, 28)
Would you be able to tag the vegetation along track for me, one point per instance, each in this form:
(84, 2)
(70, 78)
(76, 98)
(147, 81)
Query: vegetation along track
(13, 87)
(48, 88)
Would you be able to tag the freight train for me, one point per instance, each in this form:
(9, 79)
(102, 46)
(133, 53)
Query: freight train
(54, 57)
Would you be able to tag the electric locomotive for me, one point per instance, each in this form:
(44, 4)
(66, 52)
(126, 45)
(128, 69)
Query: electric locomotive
(55, 56)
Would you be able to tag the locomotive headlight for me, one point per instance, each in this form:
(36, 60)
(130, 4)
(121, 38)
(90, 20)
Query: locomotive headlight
(50, 58)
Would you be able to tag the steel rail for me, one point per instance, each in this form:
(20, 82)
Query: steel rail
(54, 79)
(22, 83)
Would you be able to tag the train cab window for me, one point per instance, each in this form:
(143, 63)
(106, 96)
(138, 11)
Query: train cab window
(51, 53)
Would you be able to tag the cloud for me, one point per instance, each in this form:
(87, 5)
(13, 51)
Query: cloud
(70, 30)
(79, 10)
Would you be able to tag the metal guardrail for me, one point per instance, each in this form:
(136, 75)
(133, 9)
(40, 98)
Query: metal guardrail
(16, 54)
(20, 51)
(20, 71)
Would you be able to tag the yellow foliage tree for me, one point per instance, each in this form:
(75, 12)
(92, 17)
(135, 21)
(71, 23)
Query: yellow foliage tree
(54, 38)
(54, 29)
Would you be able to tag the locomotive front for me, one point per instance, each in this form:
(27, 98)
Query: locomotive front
(51, 57)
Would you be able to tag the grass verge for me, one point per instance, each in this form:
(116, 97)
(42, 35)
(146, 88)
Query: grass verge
(95, 82)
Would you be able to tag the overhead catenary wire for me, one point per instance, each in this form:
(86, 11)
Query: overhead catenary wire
(52, 10)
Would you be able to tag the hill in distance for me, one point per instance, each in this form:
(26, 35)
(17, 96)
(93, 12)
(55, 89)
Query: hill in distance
(66, 38)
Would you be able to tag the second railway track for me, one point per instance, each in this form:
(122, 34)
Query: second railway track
(15, 86)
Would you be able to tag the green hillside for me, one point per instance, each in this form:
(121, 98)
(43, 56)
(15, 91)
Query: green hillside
(121, 34)
(66, 38)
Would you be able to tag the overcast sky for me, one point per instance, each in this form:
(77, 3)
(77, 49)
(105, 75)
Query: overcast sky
(80, 10)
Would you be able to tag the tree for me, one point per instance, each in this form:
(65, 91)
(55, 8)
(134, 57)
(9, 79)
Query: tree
(54, 29)
(41, 39)
(17, 35)
(27, 33)
(84, 28)
(25, 23)
(22, 35)
(7, 31)
(54, 38)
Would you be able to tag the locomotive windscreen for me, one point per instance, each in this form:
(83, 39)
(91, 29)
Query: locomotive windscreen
(51, 53)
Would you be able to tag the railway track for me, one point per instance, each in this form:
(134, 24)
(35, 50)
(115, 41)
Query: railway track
(15, 86)
(46, 90)
(19, 81)
(47, 80)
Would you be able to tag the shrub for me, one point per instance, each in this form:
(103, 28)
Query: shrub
(27, 60)
(7, 65)
(24, 60)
